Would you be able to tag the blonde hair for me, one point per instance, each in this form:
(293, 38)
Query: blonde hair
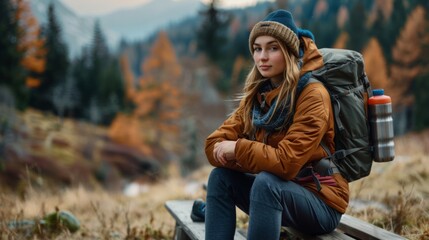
(253, 82)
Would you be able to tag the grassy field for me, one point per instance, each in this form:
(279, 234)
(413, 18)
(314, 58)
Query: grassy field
(102, 214)
(392, 197)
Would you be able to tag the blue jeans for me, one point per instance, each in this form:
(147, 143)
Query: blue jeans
(270, 202)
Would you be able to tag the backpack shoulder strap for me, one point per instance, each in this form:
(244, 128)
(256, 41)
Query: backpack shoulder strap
(304, 81)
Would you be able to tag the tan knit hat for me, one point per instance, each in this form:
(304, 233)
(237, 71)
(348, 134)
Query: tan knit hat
(280, 25)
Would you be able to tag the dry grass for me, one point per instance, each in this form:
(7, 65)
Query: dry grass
(103, 215)
(392, 197)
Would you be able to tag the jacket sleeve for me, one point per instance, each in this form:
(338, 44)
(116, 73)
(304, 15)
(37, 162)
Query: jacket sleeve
(231, 129)
(310, 123)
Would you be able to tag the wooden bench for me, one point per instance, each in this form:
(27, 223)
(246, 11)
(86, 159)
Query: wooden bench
(185, 228)
(349, 227)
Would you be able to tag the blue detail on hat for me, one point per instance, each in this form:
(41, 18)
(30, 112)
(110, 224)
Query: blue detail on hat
(284, 17)
(305, 33)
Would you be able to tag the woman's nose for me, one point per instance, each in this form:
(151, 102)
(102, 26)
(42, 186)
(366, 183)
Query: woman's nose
(264, 55)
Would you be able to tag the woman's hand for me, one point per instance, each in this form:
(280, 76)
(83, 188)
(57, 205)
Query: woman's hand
(224, 151)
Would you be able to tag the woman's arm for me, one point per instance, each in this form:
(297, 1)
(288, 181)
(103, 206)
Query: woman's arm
(301, 141)
(220, 144)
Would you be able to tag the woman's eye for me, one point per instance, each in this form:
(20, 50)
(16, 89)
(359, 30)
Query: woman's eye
(257, 49)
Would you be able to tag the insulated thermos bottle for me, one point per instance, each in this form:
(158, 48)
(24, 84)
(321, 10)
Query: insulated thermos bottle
(381, 124)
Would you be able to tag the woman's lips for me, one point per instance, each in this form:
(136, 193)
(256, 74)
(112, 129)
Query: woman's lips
(264, 67)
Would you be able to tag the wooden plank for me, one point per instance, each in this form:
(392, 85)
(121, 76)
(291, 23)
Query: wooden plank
(181, 210)
(349, 227)
(363, 230)
(335, 235)
(179, 234)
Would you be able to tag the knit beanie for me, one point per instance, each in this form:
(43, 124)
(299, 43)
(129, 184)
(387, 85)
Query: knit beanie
(280, 25)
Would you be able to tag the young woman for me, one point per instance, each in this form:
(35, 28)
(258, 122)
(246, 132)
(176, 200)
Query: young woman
(263, 152)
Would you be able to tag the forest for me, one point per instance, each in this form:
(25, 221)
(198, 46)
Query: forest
(140, 112)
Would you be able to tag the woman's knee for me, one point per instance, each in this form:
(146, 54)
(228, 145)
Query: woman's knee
(265, 189)
(264, 181)
(217, 175)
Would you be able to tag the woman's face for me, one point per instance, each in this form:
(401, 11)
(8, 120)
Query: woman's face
(269, 58)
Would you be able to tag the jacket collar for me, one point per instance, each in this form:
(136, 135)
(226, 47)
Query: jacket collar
(312, 58)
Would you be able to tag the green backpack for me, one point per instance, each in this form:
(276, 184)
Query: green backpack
(343, 75)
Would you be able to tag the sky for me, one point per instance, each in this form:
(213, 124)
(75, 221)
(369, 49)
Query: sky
(100, 7)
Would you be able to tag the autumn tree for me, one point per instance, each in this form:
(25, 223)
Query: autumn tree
(156, 118)
(160, 81)
(30, 44)
(375, 64)
(407, 66)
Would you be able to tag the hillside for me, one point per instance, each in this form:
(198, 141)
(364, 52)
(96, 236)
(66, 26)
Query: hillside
(392, 197)
(52, 153)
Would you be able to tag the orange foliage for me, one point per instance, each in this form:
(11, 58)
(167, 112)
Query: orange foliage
(341, 41)
(406, 55)
(235, 26)
(30, 42)
(128, 130)
(162, 62)
(320, 8)
(375, 64)
(32, 82)
(128, 77)
(385, 7)
(342, 17)
(157, 99)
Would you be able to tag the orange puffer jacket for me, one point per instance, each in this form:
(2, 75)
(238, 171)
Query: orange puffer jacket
(285, 153)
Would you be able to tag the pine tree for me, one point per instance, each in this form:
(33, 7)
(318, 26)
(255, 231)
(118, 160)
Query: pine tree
(99, 80)
(393, 27)
(57, 63)
(212, 33)
(421, 84)
(107, 85)
(12, 74)
(380, 31)
(397, 20)
(80, 72)
(99, 55)
(356, 28)
(421, 115)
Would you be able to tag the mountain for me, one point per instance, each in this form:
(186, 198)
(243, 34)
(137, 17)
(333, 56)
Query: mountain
(137, 23)
(130, 24)
(77, 31)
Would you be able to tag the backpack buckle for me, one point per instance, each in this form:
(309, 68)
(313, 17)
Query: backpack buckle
(340, 154)
(323, 167)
